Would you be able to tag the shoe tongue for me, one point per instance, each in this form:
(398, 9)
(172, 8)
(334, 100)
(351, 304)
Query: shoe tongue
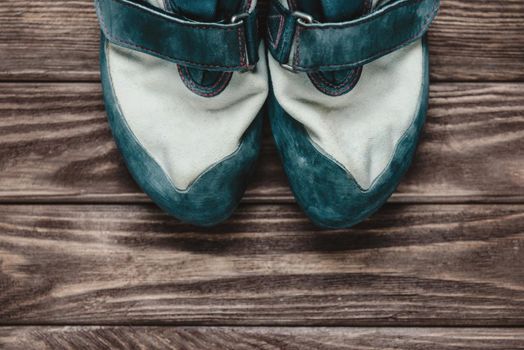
(206, 10)
(333, 10)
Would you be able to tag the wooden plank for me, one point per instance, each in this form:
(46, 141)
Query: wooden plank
(212, 338)
(480, 40)
(48, 40)
(433, 265)
(55, 145)
(58, 40)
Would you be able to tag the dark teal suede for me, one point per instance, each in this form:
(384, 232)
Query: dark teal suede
(336, 82)
(204, 82)
(332, 10)
(212, 197)
(205, 10)
(335, 46)
(328, 193)
(212, 46)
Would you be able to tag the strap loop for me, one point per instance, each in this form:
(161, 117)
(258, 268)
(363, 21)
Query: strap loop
(137, 25)
(301, 46)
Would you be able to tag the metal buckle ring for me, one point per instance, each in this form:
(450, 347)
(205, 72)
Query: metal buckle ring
(306, 19)
(239, 17)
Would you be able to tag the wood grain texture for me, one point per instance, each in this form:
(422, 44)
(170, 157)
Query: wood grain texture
(411, 265)
(227, 338)
(478, 40)
(55, 145)
(48, 40)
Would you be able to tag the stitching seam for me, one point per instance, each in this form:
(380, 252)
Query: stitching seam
(203, 91)
(324, 81)
(340, 90)
(274, 43)
(242, 47)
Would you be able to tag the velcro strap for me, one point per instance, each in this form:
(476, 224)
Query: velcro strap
(140, 26)
(307, 46)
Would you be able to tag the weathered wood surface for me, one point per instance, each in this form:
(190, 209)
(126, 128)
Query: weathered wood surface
(55, 145)
(480, 40)
(409, 265)
(224, 338)
(124, 263)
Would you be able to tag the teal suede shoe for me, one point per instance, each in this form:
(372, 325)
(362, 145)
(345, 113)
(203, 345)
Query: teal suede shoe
(349, 82)
(183, 99)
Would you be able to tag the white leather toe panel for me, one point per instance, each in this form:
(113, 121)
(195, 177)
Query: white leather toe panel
(360, 130)
(185, 133)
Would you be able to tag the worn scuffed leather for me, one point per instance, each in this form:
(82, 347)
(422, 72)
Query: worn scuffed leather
(169, 68)
(212, 197)
(324, 189)
(211, 46)
(334, 46)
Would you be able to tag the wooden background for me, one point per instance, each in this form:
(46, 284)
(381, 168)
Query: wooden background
(87, 261)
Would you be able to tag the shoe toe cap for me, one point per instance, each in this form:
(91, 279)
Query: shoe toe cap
(211, 197)
(325, 190)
